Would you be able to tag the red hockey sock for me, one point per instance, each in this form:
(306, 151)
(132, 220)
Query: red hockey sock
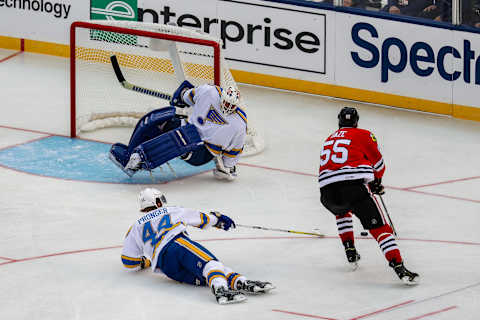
(387, 243)
(345, 227)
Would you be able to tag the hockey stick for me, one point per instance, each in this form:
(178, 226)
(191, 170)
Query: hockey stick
(282, 230)
(388, 216)
(130, 86)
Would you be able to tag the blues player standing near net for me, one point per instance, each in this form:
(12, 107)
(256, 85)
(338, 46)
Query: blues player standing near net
(215, 129)
(351, 171)
(158, 240)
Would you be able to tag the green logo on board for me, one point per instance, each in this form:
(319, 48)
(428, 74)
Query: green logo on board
(114, 10)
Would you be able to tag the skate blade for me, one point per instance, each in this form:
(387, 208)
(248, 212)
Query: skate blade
(236, 299)
(412, 282)
(353, 266)
(128, 172)
(266, 289)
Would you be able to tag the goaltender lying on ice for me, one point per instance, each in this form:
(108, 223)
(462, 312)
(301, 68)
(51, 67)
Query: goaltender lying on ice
(215, 129)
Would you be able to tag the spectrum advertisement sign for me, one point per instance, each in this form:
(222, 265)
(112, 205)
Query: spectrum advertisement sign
(408, 60)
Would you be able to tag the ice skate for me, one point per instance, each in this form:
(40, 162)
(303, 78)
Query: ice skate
(117, 155)
(254, 287)
(352, 255)
(134, 164)
(409, 278)
(226, 296)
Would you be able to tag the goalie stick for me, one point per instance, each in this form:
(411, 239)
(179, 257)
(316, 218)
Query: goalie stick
(150, 92)
(133, 87)
(282, 230)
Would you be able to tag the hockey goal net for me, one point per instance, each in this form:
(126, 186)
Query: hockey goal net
(153, 56)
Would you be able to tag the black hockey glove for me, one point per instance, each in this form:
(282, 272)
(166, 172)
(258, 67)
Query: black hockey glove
(145, 263)
(376, 186)
(223, 222)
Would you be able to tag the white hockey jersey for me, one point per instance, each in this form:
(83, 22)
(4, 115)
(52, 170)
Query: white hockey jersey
(222, 134)
(149, 234)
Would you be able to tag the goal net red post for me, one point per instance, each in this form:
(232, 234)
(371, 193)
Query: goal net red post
(154, 56)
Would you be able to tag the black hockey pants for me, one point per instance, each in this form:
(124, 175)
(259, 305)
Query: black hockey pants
(352, 196)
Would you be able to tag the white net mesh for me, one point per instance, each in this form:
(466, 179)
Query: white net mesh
(145, 61)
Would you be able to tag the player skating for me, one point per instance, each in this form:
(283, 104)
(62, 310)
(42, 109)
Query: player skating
(351, 171)
(215, 129)
(158, 240)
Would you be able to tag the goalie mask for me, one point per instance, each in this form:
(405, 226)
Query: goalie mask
(348, 117)
(229, 100)
(151, 197)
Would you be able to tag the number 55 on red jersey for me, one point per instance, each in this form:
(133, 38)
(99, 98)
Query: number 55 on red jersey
(350, 154)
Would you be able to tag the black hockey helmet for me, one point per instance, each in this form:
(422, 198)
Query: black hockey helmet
(348, 117)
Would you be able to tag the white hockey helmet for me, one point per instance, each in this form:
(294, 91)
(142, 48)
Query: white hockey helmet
(150, 197)
(229, 100)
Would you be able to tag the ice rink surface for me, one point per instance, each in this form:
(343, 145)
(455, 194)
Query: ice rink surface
(61, 238)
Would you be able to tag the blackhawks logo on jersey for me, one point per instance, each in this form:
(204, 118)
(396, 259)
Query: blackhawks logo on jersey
(373, 137)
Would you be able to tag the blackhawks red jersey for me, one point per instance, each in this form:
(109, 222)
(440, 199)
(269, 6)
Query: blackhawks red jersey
(350, 154)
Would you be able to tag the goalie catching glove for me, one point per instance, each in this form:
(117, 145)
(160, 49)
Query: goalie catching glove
(224, 222)
(376, 186)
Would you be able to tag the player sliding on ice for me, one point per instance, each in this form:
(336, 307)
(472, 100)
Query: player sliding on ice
(158, 240)
(351, 170)
(215, 129)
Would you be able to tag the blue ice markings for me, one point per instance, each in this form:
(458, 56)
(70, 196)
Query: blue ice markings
(76, 159)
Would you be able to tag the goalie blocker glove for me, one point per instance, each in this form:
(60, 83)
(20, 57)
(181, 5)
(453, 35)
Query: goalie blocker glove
(224, 222)
(177, 97)
(376, 186)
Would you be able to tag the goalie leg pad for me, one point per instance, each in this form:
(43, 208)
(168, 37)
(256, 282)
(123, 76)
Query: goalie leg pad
(198, 157)
(168, 146)
(119, 154)
(151, 125)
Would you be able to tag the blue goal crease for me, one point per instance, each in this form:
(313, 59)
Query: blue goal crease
(85, 160)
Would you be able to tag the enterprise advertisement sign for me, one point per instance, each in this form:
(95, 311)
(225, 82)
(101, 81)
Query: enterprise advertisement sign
(273, 36)
(256, 33)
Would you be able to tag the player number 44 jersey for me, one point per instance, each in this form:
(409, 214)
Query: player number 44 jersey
(153, 231)
(350, 154)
